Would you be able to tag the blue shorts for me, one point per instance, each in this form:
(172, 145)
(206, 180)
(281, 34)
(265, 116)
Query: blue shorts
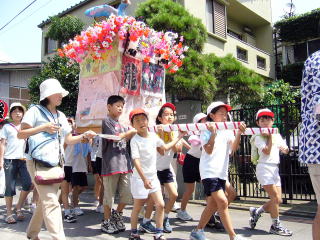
(13, 167)
(211, 185)
(165, 176)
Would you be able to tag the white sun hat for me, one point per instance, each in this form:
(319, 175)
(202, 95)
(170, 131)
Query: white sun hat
(198, 117)
(218, 104)
(51, 86)
(17, 104)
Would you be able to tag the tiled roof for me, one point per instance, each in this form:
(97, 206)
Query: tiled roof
(70, 9)
(30, 65)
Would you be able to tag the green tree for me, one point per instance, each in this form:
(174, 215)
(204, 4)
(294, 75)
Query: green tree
(202, 76)
(170, 16)
(68, 75)
(65, 28)
(238, 83)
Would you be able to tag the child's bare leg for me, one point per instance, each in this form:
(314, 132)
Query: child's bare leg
(173, 194)
(272, 206)
(149, 208)
(159, 204)
(207, 212)
(187, 195)
(222, 204)
(137, 204)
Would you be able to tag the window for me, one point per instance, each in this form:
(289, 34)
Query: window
(313, 46)
(216, 17)
(234, 34)
(18, 94)
(300, 52)
(242, 54)
(261, 62)
(50, 45)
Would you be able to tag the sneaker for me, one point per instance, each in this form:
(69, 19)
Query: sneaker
(254, 217)
(147, 227)
(184, 216)
(96, 203)
(77, 211)
(69, 218)
(175, 207)
(279, 230)
(197, 235)
(108, 227)
(238, 237)
(211, 222)
(166, 225)
(33, 207)
(160, 237)
(117, 219)
(134, 236)
(215, 223)
(100, 209)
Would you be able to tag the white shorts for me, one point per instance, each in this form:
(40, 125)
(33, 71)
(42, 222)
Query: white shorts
(138, 190)
(268, 174)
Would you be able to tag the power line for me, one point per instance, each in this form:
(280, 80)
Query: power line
(18, 14)
(13, 26)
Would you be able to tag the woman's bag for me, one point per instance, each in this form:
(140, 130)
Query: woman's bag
(44, 147)
(48, 175)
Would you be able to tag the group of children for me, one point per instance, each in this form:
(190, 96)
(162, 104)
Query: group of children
(142, 166)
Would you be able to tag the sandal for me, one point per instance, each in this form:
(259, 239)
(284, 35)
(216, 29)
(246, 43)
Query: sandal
(10, 219)
(20, 216)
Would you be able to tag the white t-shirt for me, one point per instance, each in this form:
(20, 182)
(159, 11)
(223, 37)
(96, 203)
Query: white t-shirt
(196, 149)
(14, 148)
(145, 149)
(277, 142)
(34, 118)
(68, 155)
(164, 161)
(215, 165)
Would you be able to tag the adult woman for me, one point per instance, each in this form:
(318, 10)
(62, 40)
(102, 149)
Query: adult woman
(48, 208)
(12, 159)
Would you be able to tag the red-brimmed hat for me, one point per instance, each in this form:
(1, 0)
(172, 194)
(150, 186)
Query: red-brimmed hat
(264, 112)
(169, 105)
(135, 112)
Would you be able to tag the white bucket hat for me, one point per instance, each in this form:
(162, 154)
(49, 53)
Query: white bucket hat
(198, 117)
(51, 86)
(218, 104)
(17, 104)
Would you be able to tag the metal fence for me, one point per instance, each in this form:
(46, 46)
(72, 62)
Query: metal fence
(295, 180)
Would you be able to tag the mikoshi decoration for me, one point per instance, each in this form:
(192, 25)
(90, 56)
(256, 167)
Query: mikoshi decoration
(3, 110)
(106, 10)
(135, 39)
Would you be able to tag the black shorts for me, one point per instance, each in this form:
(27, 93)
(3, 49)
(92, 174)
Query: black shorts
(67, 173)
(96, 166)
(211, 185)
(190, 169)
(79, 179)
(165, 176)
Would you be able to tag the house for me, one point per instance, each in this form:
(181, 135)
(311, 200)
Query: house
(296, 39)
(238, 27)
(14, 80)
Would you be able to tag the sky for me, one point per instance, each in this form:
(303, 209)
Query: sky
(20, 41)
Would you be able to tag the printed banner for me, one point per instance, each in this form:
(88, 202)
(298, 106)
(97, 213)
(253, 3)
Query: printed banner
(93, 95)
(153, 78)
(111, 61)
(130, 76)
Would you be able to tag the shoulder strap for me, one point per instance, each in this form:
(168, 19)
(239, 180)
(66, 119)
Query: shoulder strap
(43, 112)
